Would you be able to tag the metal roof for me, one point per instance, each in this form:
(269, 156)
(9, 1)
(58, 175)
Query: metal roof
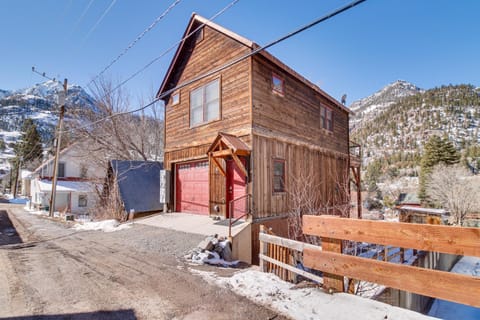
(139, 184)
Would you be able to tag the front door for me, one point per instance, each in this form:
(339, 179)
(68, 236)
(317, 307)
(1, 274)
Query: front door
(236, 188)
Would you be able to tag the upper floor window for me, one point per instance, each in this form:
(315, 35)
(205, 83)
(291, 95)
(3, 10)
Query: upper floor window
(205, 103)
(277, 84)
(326, 118)
(175, 98)
(278, 175)
(61, 170)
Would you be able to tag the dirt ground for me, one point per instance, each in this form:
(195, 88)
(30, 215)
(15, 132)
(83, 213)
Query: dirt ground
(50, 271)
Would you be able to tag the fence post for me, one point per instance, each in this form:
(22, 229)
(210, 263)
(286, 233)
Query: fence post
(263, 250)
(332, 282)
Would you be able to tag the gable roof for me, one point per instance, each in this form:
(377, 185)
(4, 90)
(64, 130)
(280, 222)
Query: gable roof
(199, 21)
(139, 184)
(232, 142)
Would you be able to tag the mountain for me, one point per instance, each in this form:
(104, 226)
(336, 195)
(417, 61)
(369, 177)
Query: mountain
(393, 124)
(367, 108)
(40, 104)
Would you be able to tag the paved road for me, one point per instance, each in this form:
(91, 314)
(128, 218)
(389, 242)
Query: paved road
(51, 271)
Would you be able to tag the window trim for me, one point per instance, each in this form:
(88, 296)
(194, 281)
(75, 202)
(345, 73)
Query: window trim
(173, 103)
(86, 200)
(325, 123)
(219, 79)
(64, 170)
(282, 80)
(284, 176)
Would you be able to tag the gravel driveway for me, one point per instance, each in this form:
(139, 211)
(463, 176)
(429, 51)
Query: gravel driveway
(56, 272)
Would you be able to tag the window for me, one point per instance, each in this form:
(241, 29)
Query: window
(82, 200)
(277, 84)
(61, 170)
(205, 103)
(175, 98)
(326, 118)
(278, 175)
(83, 171)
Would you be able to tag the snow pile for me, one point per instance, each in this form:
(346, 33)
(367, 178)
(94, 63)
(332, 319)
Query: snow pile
(305, 303)
(447, 310)
(213, 250)
(105, 226)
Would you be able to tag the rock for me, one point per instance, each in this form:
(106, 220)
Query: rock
(209, 243)
(227, 251)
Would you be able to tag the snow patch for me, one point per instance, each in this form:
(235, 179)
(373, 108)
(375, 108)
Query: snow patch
(105, 226)
(305, 303)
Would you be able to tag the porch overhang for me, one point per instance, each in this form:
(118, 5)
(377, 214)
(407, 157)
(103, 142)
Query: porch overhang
(228, 146)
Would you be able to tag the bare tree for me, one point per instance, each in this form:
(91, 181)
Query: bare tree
(110, 131)
(116, 134)
(310, 195)
(450, 187)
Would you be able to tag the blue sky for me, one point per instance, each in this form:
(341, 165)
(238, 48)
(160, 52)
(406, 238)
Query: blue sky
(426, 42)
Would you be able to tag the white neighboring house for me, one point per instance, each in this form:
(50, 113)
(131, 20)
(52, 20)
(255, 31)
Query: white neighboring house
(76, 182)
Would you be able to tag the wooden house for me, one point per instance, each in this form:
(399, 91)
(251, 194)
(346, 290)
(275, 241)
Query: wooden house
(239, 136)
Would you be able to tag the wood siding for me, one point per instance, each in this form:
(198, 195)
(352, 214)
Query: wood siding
(198, 58)
(327, 171)
(296, 113)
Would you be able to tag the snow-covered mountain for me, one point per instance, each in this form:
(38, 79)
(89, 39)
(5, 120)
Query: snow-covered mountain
(393, 124)
(369, 107)
(39, 103)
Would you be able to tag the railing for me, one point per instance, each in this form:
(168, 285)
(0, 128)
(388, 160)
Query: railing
(230, 211)
(436, 238)
(277, 255)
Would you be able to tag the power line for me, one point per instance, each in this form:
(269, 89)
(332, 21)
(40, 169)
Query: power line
(134, 42)
(170, 48)
(229, 64)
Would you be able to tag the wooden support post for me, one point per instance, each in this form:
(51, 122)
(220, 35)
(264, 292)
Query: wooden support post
(332, 282)
(263, 251)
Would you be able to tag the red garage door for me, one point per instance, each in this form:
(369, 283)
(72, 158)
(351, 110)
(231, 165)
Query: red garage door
(192, 191)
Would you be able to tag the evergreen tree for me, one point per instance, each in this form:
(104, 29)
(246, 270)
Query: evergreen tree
(437, 150)
(29, 150)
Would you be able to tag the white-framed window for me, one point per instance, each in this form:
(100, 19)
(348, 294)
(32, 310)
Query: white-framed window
(205, 103)
(326, 118)
(278, 84)
(82, 200)
(175, 98)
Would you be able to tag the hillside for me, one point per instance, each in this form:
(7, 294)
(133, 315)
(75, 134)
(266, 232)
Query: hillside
(393, 124)
(40, 104)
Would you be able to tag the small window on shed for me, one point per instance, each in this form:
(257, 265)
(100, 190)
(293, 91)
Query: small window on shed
(175, 98)
(278, 175)
(277, 84)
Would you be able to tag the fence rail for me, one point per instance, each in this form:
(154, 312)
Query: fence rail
(277, 256)
(437, 284)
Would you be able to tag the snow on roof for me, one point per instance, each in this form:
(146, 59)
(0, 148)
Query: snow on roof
(66, 186)
(424, 210)
(25, 173)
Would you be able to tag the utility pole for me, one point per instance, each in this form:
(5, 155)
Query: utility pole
(62, 98)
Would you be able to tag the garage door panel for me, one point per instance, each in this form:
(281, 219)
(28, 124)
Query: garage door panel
(192, 193)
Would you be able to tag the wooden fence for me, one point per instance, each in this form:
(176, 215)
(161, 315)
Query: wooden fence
(277, 256)
(433, 283)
